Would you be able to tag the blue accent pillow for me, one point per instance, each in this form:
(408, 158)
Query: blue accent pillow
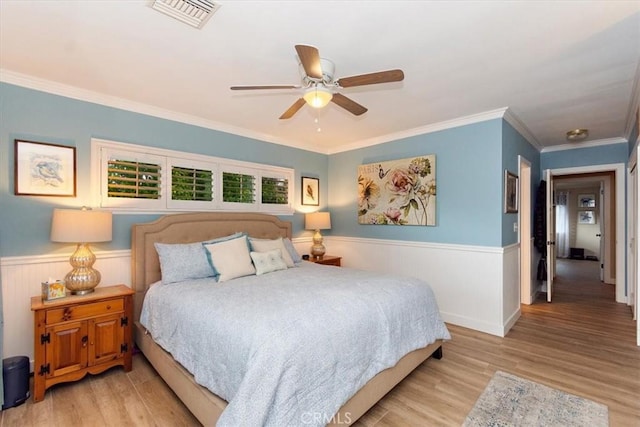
(295, 256)
(184, 261)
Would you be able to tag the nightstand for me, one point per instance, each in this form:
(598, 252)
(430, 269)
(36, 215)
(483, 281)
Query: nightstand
(326, 260)
(81, 334)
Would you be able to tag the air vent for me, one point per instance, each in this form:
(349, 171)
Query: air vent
(193, 12)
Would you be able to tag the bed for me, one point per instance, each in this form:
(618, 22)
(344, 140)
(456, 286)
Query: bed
(196, 227)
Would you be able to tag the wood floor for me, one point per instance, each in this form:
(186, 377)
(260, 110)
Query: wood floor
(582, 343)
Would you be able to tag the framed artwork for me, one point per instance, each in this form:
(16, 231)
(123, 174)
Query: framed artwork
(398, 192)
(586, 200)
(586, 217)
(510, 192)
(310, 191)
(43, 169)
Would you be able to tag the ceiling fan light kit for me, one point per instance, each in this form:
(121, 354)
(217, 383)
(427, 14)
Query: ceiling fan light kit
(318, 96)
(320, 86)
(577, 134)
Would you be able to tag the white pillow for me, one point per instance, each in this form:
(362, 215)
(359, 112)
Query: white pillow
(231, 259)
(265, 245)
(266, 262)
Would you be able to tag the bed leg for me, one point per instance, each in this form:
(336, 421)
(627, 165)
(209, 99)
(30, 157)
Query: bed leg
(437, 354)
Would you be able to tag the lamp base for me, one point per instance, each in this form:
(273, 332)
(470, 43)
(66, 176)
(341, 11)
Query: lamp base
(83, 278)
(317, 249)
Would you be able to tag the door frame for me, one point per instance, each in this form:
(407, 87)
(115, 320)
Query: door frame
(619, 170)
(524, 230)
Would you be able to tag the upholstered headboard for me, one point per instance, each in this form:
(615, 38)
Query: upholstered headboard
(189, 228)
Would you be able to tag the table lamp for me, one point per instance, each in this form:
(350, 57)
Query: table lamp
(81, 226)
(317, 221)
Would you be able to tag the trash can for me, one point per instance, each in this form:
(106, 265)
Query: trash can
(15, 376)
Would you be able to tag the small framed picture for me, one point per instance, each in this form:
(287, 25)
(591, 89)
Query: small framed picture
(43, 169)
(586, 217)
(510, 192)
(310, 191)
(586, 200)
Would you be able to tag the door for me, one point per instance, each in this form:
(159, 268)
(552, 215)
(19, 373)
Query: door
(106, 336)
(601, 234)
(67, 349)
(551, 234)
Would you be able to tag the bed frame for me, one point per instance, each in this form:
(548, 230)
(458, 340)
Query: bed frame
(194, 227)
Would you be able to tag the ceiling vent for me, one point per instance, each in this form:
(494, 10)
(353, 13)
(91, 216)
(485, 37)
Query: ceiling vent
(193, 12)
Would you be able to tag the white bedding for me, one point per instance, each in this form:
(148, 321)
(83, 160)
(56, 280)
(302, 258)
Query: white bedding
(292, 346)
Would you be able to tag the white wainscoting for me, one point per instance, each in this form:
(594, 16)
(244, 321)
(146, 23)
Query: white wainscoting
(476, 286)
(21, 279)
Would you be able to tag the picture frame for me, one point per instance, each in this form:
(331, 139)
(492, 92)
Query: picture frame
(310, 191)
(586, 217)
(586, 200)
(44, 169)
(510, 192)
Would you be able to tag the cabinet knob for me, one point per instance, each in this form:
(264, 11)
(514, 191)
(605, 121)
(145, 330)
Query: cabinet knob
(108, 307)
(84, 341)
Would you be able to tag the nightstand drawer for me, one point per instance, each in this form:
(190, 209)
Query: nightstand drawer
(82, 311)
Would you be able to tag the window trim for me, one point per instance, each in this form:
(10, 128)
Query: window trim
(100, 148)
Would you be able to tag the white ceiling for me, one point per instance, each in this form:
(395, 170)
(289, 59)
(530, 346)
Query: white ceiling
(557, 65)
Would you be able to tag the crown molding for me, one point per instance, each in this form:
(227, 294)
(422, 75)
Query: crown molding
(73, 92)
(587, 144)
(518, 125)
(634, 105)
(434, 127)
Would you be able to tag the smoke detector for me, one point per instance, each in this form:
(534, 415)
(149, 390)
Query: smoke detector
(193, 12)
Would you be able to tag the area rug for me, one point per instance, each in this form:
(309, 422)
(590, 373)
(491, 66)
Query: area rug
(513, 401)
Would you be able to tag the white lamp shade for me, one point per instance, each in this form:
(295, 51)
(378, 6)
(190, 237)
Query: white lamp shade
(317, 221)
(318, 96)
(80, 226)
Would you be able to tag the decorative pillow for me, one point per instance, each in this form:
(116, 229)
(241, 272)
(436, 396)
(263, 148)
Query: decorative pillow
(264, 245)
(295, 256)
(266, 262)
(184, 261)
(180, 262)
(231, 259)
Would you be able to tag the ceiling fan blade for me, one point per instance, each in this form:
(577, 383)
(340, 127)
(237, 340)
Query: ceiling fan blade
(348, 104)
(310, 59)
(293, 109)
(372, 78)
(265, 87)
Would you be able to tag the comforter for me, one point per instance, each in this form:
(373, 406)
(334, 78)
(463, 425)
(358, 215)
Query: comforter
(292, 346)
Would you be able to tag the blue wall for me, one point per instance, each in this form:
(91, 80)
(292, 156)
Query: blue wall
(469, 186)
(589, 156)
(38, 116)
(470, 164)
(514, 145)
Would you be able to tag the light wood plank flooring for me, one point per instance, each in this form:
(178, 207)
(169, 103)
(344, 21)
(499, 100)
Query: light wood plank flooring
(582, 343)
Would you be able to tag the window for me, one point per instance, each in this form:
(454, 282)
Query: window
(191, 184)
(238, 188)
(131, 179)
(147, 179)
(275, 190)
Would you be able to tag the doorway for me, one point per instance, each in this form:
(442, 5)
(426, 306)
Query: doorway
(584, 224)
(617, 231)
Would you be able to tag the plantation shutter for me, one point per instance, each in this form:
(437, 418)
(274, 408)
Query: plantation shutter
(275, 190)
(133, 179)
(191, 184)
(238, 188)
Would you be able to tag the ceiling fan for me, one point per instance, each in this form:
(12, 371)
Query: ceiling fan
(320, 85)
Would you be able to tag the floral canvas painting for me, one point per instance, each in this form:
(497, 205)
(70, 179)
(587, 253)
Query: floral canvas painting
(398, 192)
